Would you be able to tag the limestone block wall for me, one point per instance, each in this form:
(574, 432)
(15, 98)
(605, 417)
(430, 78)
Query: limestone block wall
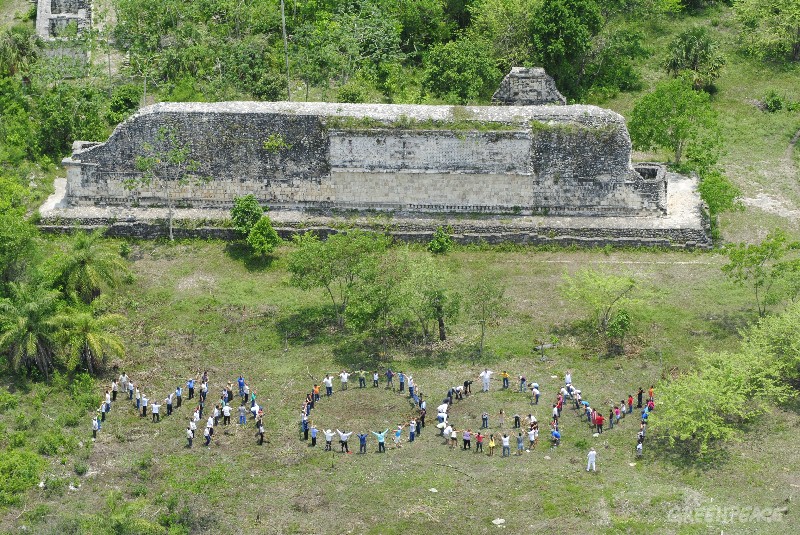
(52, 16)
(571, 160)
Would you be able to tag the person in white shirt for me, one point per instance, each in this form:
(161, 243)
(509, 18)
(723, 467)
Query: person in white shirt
(531, 438)
(207, 434)
(328, 382)
(95, 427)
(506, 445)
(344, 376)
(114, 390)
(226, 414)
(144, 406)
(485, 376)
(328, 438)
(189, 436)
(446, 433)
(156, 416)
(343, 440)
(375, 379)
(568, 378)
(592, 457)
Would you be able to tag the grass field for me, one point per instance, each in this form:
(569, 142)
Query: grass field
(194, 308)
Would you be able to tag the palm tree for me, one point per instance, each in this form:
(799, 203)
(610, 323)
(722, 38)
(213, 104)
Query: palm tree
(89, 267)
(26, 331)
(87, 339)
(17, 50)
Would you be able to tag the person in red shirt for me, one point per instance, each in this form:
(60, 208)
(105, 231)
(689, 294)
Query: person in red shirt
(630, 403)
(599, 421)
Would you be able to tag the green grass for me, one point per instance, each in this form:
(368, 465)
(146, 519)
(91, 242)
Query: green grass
(193, 307)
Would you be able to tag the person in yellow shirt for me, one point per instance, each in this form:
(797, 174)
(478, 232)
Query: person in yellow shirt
(505, 377)
(491, 445)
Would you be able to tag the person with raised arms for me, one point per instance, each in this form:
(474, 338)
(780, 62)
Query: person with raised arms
(381, 440)
(343, 440)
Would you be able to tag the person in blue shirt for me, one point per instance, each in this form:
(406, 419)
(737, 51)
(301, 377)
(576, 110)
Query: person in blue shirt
(381, 440)
(313, 435)
(241, 386)
(389, 378)
(402, 378)
(178, 395)
(190, 386)
(556, 437)
(362, 442)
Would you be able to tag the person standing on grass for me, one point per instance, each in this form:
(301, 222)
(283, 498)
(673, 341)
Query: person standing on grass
(375, 379)
(389, 378)
(421, 420)
(505, 378)
(178, 396)
(328, 438)
(535, 394)
(242, 415)
(95, 427)
(381, 440)
(192, 425)
(591, 457)
(362, 442)
(467, 438)
(130, 390)
(156, 415)
(343, 440)
(402, 378)
(522, 383)
(639, 395)
(639, 448)
(246, 393)
(253, 396)
(328, 382)
(316, 392)
(479, 443)
(531, 438)
(204, 391)
(410, 386)
(207, 435)
(304, 424)
(520, 443)
(260, 432)
(412, 430)
(313, 435)
(240, 382)
(453, 438)
(115, 388)
(485, 376)
(362, 378)
(190, 386)
(123, 382)
(398, 435)
(630, 404)
(506, 445)
(599, 420)
(446, 433)
(650, 393)
(226, 415)
(611, 418)
(491, 445)
(517, 421)
(568, 377)
(189, 437)
(144, 406)
(502, 418)
(344, 376)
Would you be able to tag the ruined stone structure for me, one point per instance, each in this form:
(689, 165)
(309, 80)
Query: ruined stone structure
(527, 87)
(53, 17)
(568, 160)
(509, 172)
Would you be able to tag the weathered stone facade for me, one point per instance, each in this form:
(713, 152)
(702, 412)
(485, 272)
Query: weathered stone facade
(528, 87)
(557, 160)
(53, 17)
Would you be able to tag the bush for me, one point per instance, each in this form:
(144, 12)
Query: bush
(353, 92)
(81, 468)
(262, 237)
(695, 53)
(442, 242)
(124, 100)
(7, 401)
(246, 213)
(773, 102)
(19, 470)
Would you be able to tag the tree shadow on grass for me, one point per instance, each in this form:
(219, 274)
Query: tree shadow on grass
(724, 325)
(240, 251)
(715, 458)
(306, 325)
(355, 352)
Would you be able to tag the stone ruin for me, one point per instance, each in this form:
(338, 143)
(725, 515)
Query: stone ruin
(528, 87)
(531, 174)
(54, 16)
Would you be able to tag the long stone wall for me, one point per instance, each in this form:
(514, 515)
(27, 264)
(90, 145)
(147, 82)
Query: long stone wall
(565, 160)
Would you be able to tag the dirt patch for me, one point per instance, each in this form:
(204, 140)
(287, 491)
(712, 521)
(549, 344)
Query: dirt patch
(772, 205)
(196, 281)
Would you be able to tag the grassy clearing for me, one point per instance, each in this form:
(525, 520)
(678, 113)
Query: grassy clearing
(195, 308)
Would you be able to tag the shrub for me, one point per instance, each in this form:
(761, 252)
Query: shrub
(19, 470)
(7, 401)
(773, 102)
(442, 242)
(695, 53)
(81, 468)
(262, 237)
(246, 213)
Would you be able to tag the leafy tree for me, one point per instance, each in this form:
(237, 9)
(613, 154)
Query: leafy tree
(776, 339)
(460, 72)
(87, 339)
(166, 164)
(336, 264)
(676, 118)
(771, 28)
(618, 327)
(562, 33)
(424, 292)
(89, 267)
(720, 194)
(423, 26)
(604, 294)
(20, 470)
(67, 112)
(441, 242)
(124, 101)
(18, 49)
(17, 246)
(505, 25)
(26, 329)
(761, 267)
(246, 212)
(485, 303)
(695, 53)
(262, 238)
(610, 65)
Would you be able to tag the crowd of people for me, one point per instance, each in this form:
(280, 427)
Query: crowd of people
(223, 408)
(526, 439)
